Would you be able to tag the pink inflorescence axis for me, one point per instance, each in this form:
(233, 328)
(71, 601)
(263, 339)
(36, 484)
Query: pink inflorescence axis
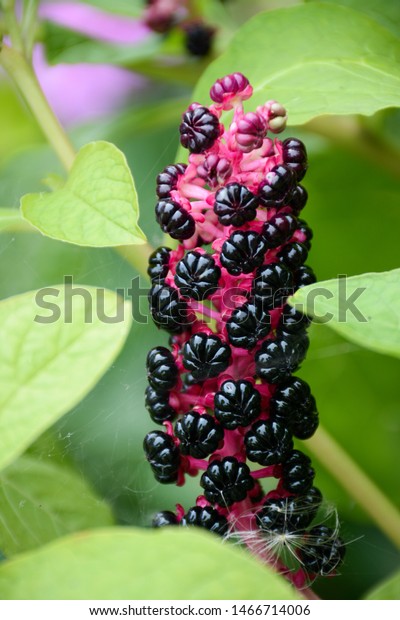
(225, 390)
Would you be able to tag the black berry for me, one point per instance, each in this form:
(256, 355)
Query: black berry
(279, 229)
(304, 228)
(304, 276)
(199, 39)
(205, 356)
(162, 455)
(174, 220)
(206, 517)
(293, 255)
(162, 372)
(295, 156)
(243, 252)
(168, 310)
(159, 265)
(272, 284)
(324, 551)
(268, 442)
(226, 482)
(276, 189)
(237, 403)
(197, 275)
(297, 473)
(289, 514)
(199, 435)
(199, 129)
(167, 179)
(164, 518)
(293, 403)
(157, 404)
(297, 199)
(235, 205)
(292, 321)
(247, 325)
(277, 359)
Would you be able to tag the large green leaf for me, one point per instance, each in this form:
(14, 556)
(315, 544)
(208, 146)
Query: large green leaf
(10, 219)
(138, 564)
(40, 501)
(315, 59)
(364, 309)
(388, 590)
(49, 364)
(387, 12)
(98, 205)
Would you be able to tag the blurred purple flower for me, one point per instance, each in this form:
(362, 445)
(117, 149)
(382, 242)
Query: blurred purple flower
(81, 92)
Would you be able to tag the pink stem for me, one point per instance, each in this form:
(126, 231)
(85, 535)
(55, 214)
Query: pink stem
(265, 472)
(204, 310)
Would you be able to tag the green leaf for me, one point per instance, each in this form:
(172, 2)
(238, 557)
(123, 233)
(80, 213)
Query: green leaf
(388, 590)
(124, 563)
(40, 501)
(315, 59)
(386, 13)
(49, 364)
(10, 219)
(365, 309)
(97, 206)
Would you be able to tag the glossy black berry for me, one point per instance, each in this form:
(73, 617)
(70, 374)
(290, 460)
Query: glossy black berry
(292, 321)
(295, 156)
(293, 403)
(268, 442)
(226, 482)
(293, 255)
(289, 514)
(167, 309)
(304, 276)
(174, 220)
(164, 518)
(199, 435)
(237, 403)
(297, 199)
(276, 360)
(162, 455)
(159, 265)
(197, 275)
(297, 473)
(324, 550)
(167, 179)
(162, 371)
(277, 187)
(157, 404)
(279, 229)
(243, 252)
(247, 325)
(199, 129)
(272, 284)
(304, 228)
(235, 205)
(206, 517)
(206, 356)
(199, 38)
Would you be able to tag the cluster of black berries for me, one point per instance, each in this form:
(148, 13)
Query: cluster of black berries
(225, 391)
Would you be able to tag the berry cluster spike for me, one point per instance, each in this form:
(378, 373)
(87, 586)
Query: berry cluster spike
(225, 390)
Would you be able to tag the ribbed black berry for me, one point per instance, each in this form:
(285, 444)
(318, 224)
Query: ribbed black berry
(226, 482)
(164, 518)
(272, 284)
(206, 356)
(157, 404)
(174, 220)
(293, 403)
(276, 360)
(304, 228)
(268, 442)
(324, 551)
(243, 252)
(237, 403)
(167, 179)
(292, 321)
(277, 187)
(199, 435)
(206, 517)
(293, 255)
(235, 205)
(279, 229)
(295, 156)
(297, 473)
(159, 265)
(199, 39)
(162, 371)
(167, 309)
(199, 129)
(304, 276)
(162, 455)
(247, 325)
(289, 514)
(298, 199)
(197, 275)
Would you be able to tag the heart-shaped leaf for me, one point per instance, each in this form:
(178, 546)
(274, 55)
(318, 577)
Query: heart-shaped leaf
(122, 563)
(364, 309)
(52, 353)
(97, 206)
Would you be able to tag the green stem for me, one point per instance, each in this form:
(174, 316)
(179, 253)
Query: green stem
(356, 482)
(28, 26)
(12, 25)
(24, 77)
